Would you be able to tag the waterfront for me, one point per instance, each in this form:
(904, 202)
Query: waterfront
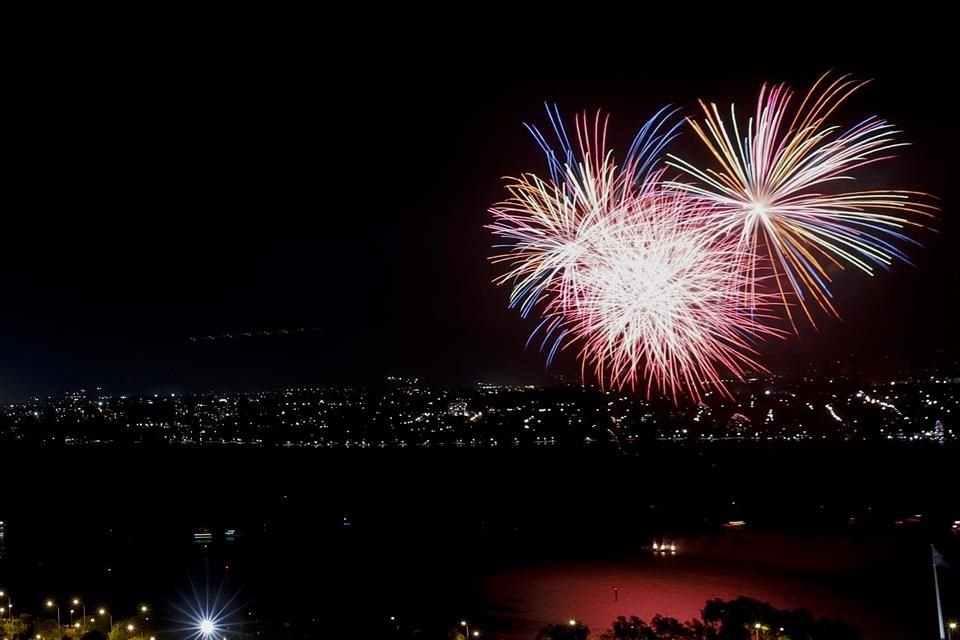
(511, 540)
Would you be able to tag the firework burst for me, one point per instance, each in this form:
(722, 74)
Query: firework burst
(548, 223)
(623, 269)
(656, 304)
(780, 189)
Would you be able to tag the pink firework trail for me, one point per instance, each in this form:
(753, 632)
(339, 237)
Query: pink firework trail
(625, 271)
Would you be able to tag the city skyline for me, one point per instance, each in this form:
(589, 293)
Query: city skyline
(405, 412)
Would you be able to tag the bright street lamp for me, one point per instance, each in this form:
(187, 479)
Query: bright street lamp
(103, 612)
(77, 603)
(50, 605)
(951, 627)
(206, 627)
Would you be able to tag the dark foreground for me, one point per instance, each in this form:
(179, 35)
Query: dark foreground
(342, 540)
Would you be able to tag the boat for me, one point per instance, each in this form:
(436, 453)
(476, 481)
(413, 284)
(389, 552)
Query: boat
(663, 547)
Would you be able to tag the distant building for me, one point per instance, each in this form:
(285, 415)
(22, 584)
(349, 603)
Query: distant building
(458, 408)
(938, 431)
(76, 396)
(738, 426)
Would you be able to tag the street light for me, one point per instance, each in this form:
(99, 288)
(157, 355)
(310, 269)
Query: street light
(77, 603)
(207, 627)
(466, 628)
(950, 629)
(103, 612)
(50, 605)
(4, 594)
(573, 622)
(756, 630)
(143, 611)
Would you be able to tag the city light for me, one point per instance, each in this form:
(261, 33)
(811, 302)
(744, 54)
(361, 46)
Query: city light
(784, 410)
(206, 627)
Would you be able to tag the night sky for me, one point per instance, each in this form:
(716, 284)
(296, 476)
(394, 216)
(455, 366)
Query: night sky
(165, 186)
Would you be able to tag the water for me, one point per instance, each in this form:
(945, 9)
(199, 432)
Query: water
(329, 540)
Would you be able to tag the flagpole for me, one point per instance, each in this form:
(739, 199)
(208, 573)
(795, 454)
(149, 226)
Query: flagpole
(936, 588)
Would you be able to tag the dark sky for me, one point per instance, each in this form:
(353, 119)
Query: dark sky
(336, 175)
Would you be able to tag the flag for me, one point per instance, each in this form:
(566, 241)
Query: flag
(938, 560)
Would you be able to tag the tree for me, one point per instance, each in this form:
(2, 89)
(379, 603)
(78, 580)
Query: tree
(672, 629)
(121, 630)
(96, 634)
(737, 619)
(733, 620)
(570, 631)
(47, 629)
(632, 628)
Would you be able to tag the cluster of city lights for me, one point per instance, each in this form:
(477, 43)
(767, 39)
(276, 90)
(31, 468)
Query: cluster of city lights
(204, 625)
(76, 606)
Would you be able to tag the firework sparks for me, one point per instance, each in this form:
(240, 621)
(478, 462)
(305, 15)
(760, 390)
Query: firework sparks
(547, 223)
(657, 303)
(779, 190)
(623, 269)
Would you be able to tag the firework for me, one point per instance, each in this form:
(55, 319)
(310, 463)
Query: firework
(547, 223)
(656, 303)
(780, 188)
(623, 269)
